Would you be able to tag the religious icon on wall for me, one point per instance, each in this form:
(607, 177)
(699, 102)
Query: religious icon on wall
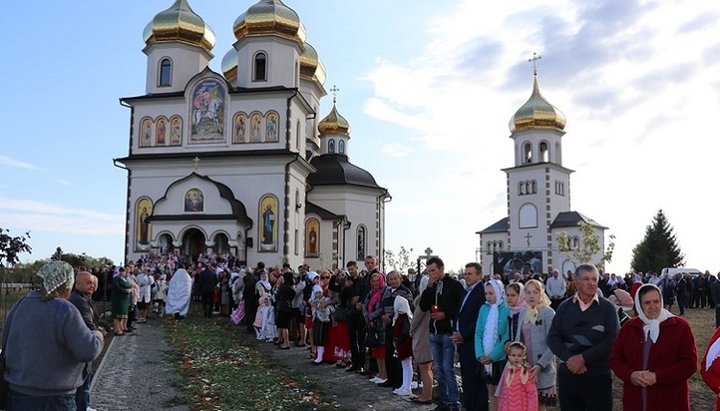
(146, 132)
(175, 131)
(160, 134)
(268, 228)
(312, 238)
(143, 211)
(255, 120)
(194, 200)
(207, 112)
(239, 128)
(271, 126)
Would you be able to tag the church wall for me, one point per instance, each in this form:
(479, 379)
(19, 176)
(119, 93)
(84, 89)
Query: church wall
(518, 236)
(486, 254)
(563, 261)
(325, 251)
(187, 61)
(535, 137)
(282, 57)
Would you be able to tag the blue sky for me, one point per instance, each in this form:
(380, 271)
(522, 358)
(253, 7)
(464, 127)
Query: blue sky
(428, 87)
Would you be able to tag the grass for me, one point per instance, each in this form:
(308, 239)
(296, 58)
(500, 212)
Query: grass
(219, 370)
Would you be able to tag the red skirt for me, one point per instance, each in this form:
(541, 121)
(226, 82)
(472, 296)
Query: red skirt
(308, 322)
(338, 343)
(377, 352)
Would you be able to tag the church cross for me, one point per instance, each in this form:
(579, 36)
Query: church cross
(334, 90)
(196, 162)
(528, 237)
(428, 254)
(534, 60)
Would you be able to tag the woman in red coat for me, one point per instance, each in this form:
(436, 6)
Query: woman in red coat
(654, 355)
(710, 366)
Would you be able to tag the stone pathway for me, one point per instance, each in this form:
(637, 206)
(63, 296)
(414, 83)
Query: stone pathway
(135, 374)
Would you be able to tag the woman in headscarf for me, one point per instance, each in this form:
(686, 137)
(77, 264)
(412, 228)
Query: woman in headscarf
(46, 344)
(373, 316)
(402, 342)
(533, 327)
(491, 333)
(515, 302)
(654, 355)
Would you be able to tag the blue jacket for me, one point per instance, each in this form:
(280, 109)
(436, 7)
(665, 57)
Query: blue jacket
(502, 335)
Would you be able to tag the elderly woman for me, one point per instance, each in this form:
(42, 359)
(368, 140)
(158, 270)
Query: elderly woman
(654, 355)
(47, 344)
(120, 301)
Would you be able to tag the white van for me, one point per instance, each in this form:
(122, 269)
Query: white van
(672, 271)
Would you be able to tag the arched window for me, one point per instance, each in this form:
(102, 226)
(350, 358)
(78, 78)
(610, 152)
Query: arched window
(298, 206)
(500, 245)
(575, 243)
(165, 73)
(527, 153)
(361, 237)
(298, 136)
(260, 67)
(528, 217)
(521, 188)
(341, 147)
(533, 187)
(331, 146)
(544, 152)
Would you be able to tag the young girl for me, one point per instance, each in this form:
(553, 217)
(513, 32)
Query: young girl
(515, 301)
(491, 333)
(402, 341)
(517, 389)
(321, 321)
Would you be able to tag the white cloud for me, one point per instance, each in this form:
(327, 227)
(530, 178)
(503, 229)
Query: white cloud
(33, 216)
(7, 161)
(396, 150)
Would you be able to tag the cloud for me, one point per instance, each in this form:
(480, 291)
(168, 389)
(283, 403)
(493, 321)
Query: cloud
(700, 22)
(7, 161)
(396, 150)
(40, 216)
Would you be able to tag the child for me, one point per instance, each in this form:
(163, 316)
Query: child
(516, 389)
(321, 321)
(403, 342)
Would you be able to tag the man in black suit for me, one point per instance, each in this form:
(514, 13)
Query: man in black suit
(475, 392)
(208, 281)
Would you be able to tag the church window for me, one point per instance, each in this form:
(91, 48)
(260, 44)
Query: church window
(528, 216)
(544, 152)
(527, 153)
(298, 136)
(559, 188)
(533, 187)
(521, 188)
(165, 73)
(341, 147)
(298, 206)
(361, 237)
(500, 245)
(489, 247)
(260, 67)
(297, 242)
(575, 243)
(331, 146)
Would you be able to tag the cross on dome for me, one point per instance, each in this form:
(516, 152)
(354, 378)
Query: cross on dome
(334, 90)
(534, 60)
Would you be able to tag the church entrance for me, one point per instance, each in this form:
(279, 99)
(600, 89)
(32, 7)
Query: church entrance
(193, 243)
(222, 245)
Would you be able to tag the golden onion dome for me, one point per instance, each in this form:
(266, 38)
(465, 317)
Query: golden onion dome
(229, 65)
(311, 68)
(334, 124)
(537, 113)
(270, 17)
(180, 23)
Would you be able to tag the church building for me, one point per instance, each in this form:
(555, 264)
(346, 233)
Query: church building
(538, 197)
(239, 162)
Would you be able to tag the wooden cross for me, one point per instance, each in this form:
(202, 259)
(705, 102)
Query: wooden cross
(528, 237)
(196, 162)
(534, 60)
(334, 90)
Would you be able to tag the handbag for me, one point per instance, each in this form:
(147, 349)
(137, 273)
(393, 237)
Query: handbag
(371, 338)
(340, 314)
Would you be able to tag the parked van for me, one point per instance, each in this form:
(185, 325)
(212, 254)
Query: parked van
(672, 271)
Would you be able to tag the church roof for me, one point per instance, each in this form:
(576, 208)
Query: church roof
(573, 219)
(502, 226)
(336, 169)
(323, 213)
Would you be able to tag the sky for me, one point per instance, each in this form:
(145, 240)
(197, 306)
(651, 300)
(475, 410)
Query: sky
(428, 87)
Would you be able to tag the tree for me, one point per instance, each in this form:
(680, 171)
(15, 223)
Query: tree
(11, 246)
(659, 248)
(400, 262)
(588, 247)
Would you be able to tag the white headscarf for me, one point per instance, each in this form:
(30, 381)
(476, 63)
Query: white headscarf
(490, 331)
(401, 306)
(651, 328)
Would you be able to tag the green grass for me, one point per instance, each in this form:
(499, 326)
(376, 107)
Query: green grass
(220, 370)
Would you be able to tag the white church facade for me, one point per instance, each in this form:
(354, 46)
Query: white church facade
(237, 161)
(538, 197)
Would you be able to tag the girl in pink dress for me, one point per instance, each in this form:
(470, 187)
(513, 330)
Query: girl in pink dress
(517, 389)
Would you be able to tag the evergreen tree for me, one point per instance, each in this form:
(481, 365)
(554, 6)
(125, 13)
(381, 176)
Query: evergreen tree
(659, 248)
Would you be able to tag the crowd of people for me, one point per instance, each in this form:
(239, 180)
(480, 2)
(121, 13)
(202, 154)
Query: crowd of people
(521, 341)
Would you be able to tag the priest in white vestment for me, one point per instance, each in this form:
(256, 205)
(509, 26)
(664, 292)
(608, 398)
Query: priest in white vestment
(179, 292)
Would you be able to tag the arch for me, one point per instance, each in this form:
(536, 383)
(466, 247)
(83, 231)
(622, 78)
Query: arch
(239, 134)
(521, 188)
(206, 111)
(568, 265)
(331, 146)
(527, 153)
(146, 132)
(255, 131)
(271, 126)
(165, 242)
(260, 65)
(500, 245)
(312, 238)
(194, 201)
(268, 213)
(143, 228)
(222, 242)
(165, 72)
(176, 126)
(489, 247)
(341, 147)
(193, 241)
(161, 128)
(533, 186)
(528, 216)
(361, 242)
(544, 152)
(575, 243)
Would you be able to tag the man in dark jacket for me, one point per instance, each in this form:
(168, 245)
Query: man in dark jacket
(442, 298)
(81, 297)
(208, 282)
(715, 294)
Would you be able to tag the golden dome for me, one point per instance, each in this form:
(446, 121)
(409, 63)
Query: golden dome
(311, 68)
(537, 113)
(270, 17)
(334, 124)
(180, 23)
(229, 65)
